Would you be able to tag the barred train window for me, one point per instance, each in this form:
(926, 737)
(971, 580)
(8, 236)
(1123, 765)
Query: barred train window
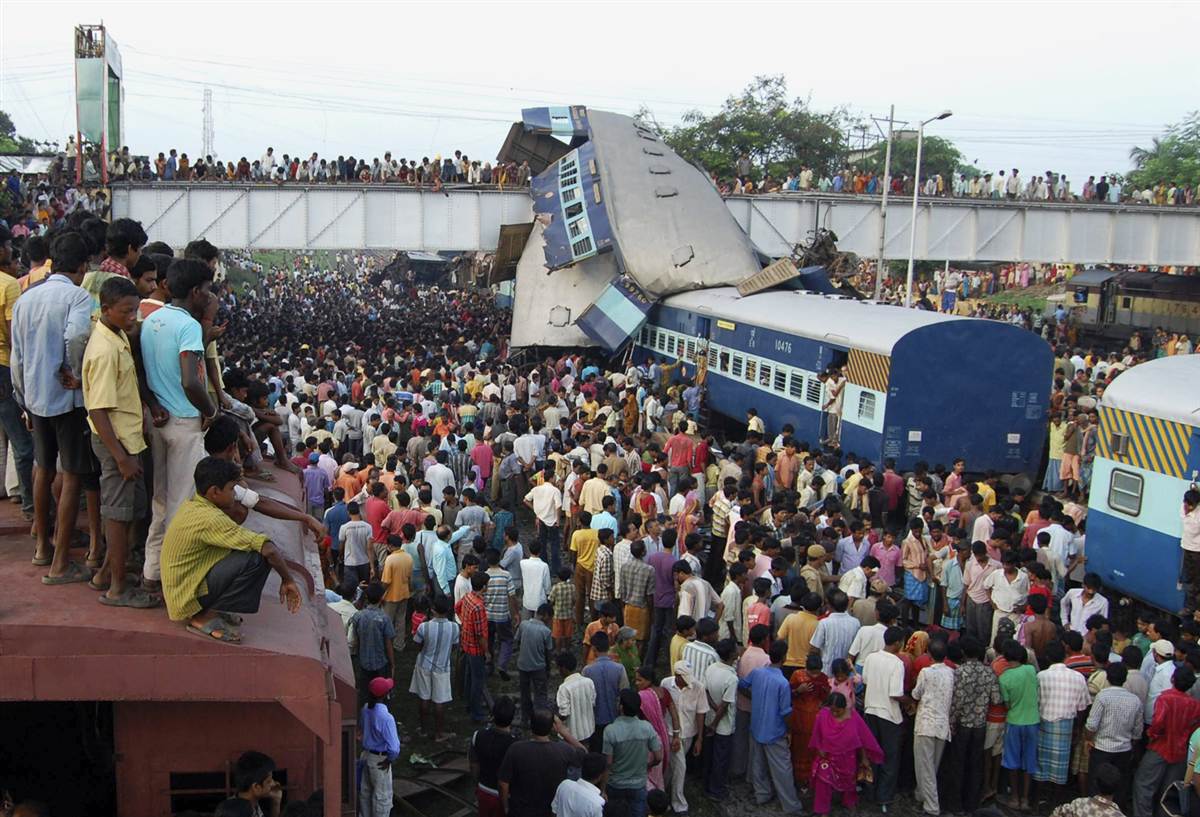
(764, 376)
(724, 362)
(1125, 492)
(796, 386)
(737, 366)
(780, 380)
(866, 406)
(812, 392)
(751, 370)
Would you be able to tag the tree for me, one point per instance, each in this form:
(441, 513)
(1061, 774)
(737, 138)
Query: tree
(938, 155)
(778, 134)
(10, 142)
(1172, 159)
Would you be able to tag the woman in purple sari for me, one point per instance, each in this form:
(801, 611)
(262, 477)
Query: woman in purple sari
(845, 749)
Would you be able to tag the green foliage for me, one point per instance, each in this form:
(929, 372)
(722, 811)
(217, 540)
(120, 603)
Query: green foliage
(776, 132)
(938, 155)
(1172, 159)
(10, 142)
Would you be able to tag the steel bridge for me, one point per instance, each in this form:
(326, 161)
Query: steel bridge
(402, 218)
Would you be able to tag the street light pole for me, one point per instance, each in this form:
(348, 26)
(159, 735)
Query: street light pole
(912, 236)
(887, 183)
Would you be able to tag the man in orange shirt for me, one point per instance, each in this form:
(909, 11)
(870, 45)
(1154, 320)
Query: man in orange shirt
(397, 579)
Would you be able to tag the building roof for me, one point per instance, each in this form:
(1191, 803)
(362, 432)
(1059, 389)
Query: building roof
(862, 325)
(1167, 388)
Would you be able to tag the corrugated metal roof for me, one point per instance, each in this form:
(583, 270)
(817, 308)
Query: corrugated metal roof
(866, 326)
(1167, 388)
(1090, 277)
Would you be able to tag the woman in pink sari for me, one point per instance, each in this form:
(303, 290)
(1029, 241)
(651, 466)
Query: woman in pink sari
(845, 749)
(656, 702)
(688, 518)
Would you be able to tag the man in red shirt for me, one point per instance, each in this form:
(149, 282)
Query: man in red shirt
(473, 639)
(1176, 716)
(395, 521)
(679, 457)
(377, 510)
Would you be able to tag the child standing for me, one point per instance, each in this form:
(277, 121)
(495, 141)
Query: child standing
(562, 599)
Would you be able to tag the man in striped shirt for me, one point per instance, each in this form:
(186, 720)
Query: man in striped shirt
(213, 568)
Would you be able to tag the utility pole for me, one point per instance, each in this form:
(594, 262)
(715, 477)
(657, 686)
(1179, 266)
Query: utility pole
(887, 183)
(209, 130)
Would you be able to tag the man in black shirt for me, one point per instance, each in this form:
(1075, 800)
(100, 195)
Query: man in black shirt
(1102, 189)
(532, 769)
(488, 747)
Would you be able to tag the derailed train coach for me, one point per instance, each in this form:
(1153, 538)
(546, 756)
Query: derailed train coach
(920, 385)
(1147, 457)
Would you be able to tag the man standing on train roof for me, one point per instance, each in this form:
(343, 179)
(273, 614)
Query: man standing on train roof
(1189, 541)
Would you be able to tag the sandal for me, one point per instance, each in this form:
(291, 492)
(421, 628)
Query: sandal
(132, 597)
(232, 619)
(216, 629)
(262, 476)
(131, 579)
(94, 564)
(42, 562)
(75, 572)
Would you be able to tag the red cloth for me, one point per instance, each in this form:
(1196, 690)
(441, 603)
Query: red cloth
(1176, 716)
(472, 617)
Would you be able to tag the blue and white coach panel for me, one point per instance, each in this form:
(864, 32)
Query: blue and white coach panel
(920, 385)
(1147, 454)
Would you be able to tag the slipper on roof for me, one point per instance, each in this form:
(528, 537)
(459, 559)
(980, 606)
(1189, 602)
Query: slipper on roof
(216, 629)
(75, 572)
(132, 597)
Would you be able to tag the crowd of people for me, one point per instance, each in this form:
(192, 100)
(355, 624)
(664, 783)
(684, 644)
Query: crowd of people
(684, 612)
(1001, 185)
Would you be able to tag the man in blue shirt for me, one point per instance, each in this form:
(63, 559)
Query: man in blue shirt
(335, 517)
(381, 748)
(172, 345)
(610, 678)
(47, 319)
(770, 706)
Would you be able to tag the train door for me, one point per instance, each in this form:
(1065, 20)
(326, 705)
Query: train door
(1108, 302)
(703, 327)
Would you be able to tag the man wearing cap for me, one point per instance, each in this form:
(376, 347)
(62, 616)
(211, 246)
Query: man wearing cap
(1163, 655)
(381, 748)
(811, 573)
(316, 484)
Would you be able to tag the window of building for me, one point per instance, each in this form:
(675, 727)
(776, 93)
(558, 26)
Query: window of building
(1125, 492)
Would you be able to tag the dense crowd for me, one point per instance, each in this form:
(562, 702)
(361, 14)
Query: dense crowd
(1001, 185)
(682, 610)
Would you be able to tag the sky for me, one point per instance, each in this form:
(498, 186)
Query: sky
(1062, 86)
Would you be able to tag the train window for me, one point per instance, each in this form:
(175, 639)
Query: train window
(1119, 444)
(724, 362)
(645, 335)
(812, 392)
(751, 370)
(691, 350)
(866, 406)
(764, 376)
(1125, 492)
(712, 357)
(737, 366)
(796, 386)
(1126, 302)
(660, 340)
(670, 344)
(780, 381)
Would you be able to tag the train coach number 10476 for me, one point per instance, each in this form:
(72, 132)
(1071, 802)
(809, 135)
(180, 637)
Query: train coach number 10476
(784, 346)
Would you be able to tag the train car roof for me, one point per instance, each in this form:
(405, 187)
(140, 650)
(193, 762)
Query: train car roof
(1167, 388)
(859, 324)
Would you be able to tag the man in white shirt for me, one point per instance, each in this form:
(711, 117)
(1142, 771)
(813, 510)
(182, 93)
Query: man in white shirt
(535, 581)
(883, 676)
(856, 580)
(721, 683)
(576, 699)
(1008, 589)
(869, 640)
(1082, 603)
(934, 692)
(582, 797)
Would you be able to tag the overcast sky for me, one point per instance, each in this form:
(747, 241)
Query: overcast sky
(1069, 87)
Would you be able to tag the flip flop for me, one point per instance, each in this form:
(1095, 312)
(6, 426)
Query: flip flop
(131, 579)
(75, 572)
(262, 476)
(94, 564)
(232, 619)
(132, 597)
(216, 629)
(42, 562)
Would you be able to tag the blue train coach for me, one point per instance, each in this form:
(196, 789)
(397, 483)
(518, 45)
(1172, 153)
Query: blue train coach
(920, 385)
(1147, 455)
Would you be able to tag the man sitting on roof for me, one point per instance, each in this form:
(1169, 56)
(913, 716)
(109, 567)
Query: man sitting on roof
(212, 568)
